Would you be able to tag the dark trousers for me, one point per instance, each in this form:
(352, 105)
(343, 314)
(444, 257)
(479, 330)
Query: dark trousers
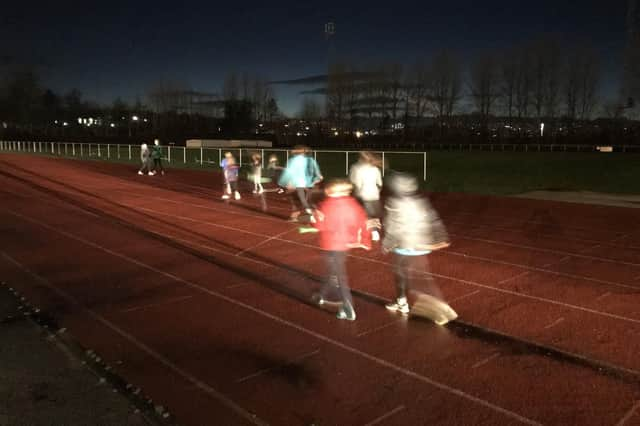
(145, 166)
(157, 164)
(337, 283)
(300, 199)
(401, 271)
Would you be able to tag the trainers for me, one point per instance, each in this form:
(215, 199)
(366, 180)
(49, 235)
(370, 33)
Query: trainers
(351, 316)
(140, 173)
(225, 197)
(260, 191)
(237, 195)
(375, 236)
(403, 308)
(163, 173)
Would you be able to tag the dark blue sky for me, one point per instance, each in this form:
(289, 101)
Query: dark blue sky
(119, 49)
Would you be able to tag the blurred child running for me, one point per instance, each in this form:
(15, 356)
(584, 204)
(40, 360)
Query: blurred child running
(300, 176)
(145, 159)
(256, 173)
(274, 171)
(412, 230)
(230, 170)
(342, 225)
(367, 182)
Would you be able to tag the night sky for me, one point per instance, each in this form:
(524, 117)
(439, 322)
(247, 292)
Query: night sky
(110, 49)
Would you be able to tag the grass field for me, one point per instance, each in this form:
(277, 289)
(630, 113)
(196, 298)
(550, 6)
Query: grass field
(518, 172)
(499, 173)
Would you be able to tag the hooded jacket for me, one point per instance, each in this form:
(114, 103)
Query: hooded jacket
(344, 225)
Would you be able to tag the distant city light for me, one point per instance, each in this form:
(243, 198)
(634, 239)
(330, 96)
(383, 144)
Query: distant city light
(134, 118)
(145, 120)
(358, 134)
(65, 124)
(335, 133)
(79, 120)
(112, 125)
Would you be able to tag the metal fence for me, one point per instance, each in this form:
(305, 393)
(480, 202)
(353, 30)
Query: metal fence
(333, 163)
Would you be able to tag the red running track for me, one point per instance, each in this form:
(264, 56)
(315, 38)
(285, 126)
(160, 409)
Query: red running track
(205, 304)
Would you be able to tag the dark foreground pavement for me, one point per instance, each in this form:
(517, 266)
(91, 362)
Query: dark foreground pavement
(42, 382)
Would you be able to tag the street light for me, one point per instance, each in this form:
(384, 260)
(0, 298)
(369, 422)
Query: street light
(134, 118)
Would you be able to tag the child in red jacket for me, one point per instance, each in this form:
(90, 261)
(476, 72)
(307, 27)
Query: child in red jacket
(343, 225)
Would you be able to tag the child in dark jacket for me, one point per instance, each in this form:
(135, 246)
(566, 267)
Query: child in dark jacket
(342, 225)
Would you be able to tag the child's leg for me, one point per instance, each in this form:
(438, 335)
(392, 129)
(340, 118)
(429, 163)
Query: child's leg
(339, 271)
(401, 272)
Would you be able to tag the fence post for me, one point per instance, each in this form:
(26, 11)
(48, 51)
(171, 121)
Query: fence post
(346, 163)
(201, 156)
(424, 161)
(81, 151)
(169, 154)
(184, 154)
(66, 149)
(118, 148)
(73, 149)
(108, 151)
(129, 151)
(219, 155)
(240, 156)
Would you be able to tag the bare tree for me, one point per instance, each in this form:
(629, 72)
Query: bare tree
(484, 85)
(231, 89)
(445, 85)
(546, 66)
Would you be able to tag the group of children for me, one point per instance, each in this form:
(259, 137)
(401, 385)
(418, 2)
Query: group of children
(412, 229)
(349, 217)
(151, 159)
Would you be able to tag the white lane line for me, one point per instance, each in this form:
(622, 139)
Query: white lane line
(387, 264)
(214, 393)
(382, 327)
(464, 296)
(275, 237)
(153, 305)
(486, 360)
(553, 324)
(603, 296)
(321, 337)
(266, 370)
(629, 414)
(385, 416)
(515, 277)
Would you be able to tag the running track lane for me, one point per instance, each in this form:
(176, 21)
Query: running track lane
(399, 410)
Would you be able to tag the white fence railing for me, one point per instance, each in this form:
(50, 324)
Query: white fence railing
(333, 163)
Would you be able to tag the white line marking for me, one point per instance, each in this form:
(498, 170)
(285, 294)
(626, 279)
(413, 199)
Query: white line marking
(275, 237)
(385, 416)
(543, 250)
(486, 360)
(515, 277)
(347, 348)
(629, 414)
(153, 305)
(602, 296)
(553, 324)
(462, 281)
(166, 362)
(266, 370)
(382, 327)
(542, 270)
(464, 296)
